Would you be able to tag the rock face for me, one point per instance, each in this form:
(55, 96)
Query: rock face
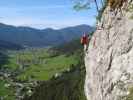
(109, 59)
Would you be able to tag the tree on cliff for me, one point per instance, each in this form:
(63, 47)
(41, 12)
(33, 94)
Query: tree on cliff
(85, 4)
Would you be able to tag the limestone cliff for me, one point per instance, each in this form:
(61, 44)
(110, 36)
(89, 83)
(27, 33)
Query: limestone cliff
(109, 59)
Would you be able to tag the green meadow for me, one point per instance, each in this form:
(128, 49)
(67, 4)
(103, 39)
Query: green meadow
(6, 92)
(39, 64)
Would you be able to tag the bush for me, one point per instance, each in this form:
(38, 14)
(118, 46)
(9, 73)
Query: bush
(70, 86)
(130, 96)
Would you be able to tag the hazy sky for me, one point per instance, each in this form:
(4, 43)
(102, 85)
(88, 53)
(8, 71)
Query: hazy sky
(44, 13)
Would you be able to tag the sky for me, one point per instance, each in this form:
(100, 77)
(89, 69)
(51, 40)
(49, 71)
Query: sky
(44, 13)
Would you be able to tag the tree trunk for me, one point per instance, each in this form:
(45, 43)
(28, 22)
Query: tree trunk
(102, 2)
(96, 5)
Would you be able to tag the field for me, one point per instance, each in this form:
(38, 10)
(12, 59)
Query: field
(39, 64)
(29, 65)
(5, 91)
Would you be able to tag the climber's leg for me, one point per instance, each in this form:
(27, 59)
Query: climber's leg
(85, 47)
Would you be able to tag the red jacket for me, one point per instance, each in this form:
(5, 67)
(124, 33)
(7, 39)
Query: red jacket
(84, 40)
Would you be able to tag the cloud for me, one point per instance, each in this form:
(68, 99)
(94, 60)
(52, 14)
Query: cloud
(41, 24)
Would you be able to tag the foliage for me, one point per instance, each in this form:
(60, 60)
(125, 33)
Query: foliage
(91, 33)
(79, 5)
(130, 96)
(131, 17)
(3, 59)
(69, 48)
(38, 64)
(6, 92)
(50, 67)
(67, 87)
(85, 4)
(130, 8)
(43, 65)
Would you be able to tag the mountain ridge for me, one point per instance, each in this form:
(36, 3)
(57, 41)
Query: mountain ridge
(40, 38)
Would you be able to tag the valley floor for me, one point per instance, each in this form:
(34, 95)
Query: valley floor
(25, 69)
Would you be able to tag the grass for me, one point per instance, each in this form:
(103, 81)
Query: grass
(12, 65)
(67, 87)
(42, 65)
(6, 92)
(49, 68)
(39, 64)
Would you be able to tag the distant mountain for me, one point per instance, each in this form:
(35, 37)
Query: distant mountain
(27, 36)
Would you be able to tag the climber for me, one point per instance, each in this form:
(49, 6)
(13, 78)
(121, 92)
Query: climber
(84, 41)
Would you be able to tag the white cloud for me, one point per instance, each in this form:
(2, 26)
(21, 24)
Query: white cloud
(41, 23)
